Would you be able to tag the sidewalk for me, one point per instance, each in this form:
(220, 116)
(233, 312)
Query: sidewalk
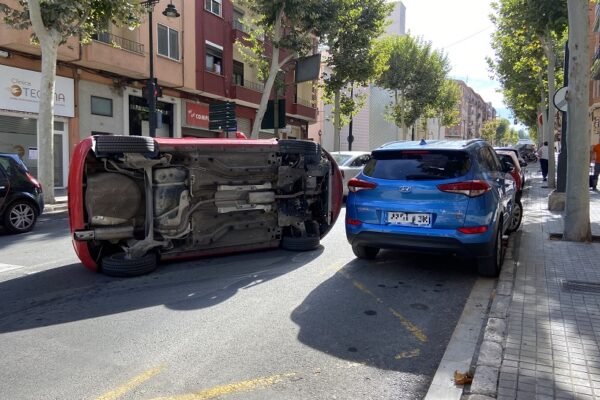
(60, 205)
(542, 339)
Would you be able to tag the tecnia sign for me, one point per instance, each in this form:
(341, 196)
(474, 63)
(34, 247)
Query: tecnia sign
(20, 91)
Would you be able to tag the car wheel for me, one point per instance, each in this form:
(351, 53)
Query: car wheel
(310, 150)
(490, 266)
(515, 221)
(125, 144)
(365, 252)
(301, 243)
(119, 266)
(20, 217)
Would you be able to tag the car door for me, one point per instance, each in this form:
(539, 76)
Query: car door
(503, 187)
(4, 182)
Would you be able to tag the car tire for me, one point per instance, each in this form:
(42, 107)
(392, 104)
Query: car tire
(301, 243)
(125, 144)
(365, 252)
(310, 150)
(490, 266)
(118, 266)
(20, 217)
(517, 217)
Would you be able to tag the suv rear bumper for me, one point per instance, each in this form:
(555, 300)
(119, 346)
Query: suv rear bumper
(421, 244)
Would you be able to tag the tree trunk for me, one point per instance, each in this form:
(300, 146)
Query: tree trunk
(49, 39)
(549, 136)
(577, 207)
(402, 123)
(337, 123)
(264, 100)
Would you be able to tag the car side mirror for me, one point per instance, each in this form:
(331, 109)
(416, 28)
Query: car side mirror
(507, 166)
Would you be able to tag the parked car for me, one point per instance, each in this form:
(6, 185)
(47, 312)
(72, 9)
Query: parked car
(436, 197)
(527, 151)
(350, 164)
(518, 173)
(21, 199)
(136, 200)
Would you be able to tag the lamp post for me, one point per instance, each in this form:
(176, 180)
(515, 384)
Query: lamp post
(152, 87)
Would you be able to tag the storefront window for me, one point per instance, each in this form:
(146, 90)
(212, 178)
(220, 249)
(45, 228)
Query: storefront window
(138, 118)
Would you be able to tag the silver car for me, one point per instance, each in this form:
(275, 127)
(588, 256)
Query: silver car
(350, 164)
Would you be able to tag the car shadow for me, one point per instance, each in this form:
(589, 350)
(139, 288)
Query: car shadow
(72, 293)
(396, 312)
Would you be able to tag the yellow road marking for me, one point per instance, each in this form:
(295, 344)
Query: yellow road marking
(409, 326)
(132, 384)
(331, 268)
(245, 386)
(408, 354)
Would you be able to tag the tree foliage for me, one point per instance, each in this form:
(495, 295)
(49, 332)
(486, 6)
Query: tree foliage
(445, 107)
(415, 72)
(488, 131)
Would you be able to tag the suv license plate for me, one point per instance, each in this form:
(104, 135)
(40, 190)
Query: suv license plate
(412, 219)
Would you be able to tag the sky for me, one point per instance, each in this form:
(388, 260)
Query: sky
(462, 29)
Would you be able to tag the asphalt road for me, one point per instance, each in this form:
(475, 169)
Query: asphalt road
(263, 325)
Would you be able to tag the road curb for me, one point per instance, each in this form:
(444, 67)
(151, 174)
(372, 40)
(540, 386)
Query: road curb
(489, 359)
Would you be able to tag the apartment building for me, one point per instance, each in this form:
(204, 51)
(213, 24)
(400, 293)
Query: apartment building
(594, 50)
(473, 112)
(99, 85)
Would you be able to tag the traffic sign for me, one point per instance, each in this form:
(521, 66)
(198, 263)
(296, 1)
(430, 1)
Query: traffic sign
(221, 116)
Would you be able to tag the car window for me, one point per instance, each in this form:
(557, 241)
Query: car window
(340, 159)
(417, 164)
(5, 165)
(488, 161)
(361, 161)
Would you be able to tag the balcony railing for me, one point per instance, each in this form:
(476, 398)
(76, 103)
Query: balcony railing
(257, 87)
(119, 42)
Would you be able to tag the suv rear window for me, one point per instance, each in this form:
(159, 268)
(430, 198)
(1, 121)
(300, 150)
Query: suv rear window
(417, 164)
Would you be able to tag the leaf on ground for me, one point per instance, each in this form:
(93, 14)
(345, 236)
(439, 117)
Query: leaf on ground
(463, 378)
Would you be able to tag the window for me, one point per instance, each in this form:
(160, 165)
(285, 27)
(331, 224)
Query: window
(238, 18)
(361, 161)
(101, 106)
(214, 6)
(238, 73)
(214, 59)
(168, 42)
(417, 164)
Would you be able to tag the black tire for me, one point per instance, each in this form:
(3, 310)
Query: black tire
(302, 243)
(365, 252)
(517, 217)
(490, 266)
(310, 149)
(20, 217)
(119, 266)
(125, 144)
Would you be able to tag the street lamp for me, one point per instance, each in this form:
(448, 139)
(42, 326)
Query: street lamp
(152, 87)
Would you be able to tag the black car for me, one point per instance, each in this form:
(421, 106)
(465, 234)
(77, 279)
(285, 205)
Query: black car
(21, 199)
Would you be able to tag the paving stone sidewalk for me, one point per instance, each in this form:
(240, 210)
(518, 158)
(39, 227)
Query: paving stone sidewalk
(542, 340)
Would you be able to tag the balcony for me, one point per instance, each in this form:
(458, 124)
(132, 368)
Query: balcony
(303, 108)
(247, 91)
(119, 42)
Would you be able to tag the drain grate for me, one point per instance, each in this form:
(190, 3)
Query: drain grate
(580, 286)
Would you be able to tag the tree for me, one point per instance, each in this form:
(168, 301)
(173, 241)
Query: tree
(285, 30)
(502, 129)
(445, 107)
(577, 207)
(488, 131)
(414, 72)
(348, 29)
(53, 22)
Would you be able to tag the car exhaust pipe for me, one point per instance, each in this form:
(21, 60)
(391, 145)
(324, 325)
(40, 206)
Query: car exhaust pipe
(112, 233)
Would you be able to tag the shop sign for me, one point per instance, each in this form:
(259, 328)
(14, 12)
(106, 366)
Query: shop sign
(20, 91)
(196, 115)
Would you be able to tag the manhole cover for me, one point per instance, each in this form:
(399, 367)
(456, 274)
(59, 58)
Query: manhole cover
(580, 286)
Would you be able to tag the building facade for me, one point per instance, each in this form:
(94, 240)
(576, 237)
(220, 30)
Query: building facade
(474, 111)
(99, 85)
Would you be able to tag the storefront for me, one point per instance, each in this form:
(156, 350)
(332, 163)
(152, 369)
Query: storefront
(195, 120)
(19, 106)
(136, 113)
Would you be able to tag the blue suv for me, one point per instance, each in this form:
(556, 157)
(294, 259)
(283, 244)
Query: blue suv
(450, 197)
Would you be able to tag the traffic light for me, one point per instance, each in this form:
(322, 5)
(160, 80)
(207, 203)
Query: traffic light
(152, 88)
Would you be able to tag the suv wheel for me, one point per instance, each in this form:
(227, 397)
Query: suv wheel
(490, 266)
(515, 221)
(365, 252)
(20, 217)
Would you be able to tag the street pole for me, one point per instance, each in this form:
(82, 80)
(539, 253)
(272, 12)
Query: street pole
(151, 83)
(350, 137)
(561, 185)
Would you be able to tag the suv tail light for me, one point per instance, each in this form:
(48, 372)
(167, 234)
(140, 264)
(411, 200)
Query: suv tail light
(356, 185)
(468, 188)
(35, 182)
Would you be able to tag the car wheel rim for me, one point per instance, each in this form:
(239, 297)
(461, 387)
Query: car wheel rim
(516, 217)
(21, 216)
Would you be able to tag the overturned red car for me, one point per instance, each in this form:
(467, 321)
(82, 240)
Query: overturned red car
(134, 200)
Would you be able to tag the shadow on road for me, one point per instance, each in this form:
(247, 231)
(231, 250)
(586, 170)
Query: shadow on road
(397, 312)
(72, 293)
